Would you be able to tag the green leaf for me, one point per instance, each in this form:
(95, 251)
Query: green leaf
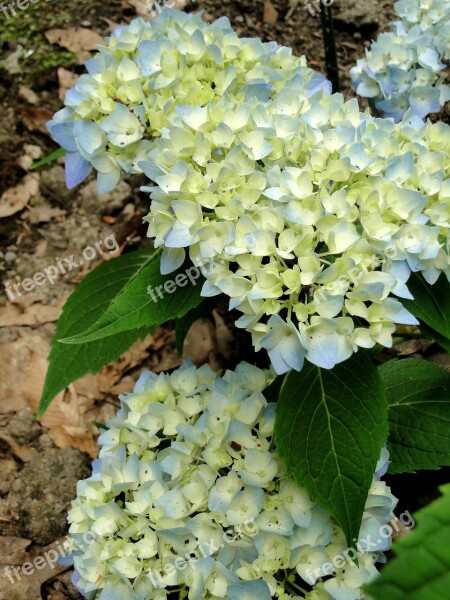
(84, 307)
(431, 303)
(185, 322)
(421, 568)
(48, 159)
(146, 300)
(329, 431)
(418, 394)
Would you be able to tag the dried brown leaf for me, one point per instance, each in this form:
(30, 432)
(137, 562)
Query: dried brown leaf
(200, 341)
(25, 453)
(17, 197)
(35, 119)
(66, 80)
(36, 314)
(13, 550)
(270, 15)
(78, 40)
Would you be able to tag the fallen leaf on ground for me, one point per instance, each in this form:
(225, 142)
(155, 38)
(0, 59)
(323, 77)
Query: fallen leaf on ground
(64, 417)
(36, 314)
(270, 15)
(142, 7)
(67, 80)
(13, 550)
(442, 359)
(17, 197)
(25, 453)
(411, 347)
(78, 40)
(29, 586)
(35, 118)
(110, 375)
(225, 340)
(43, 214)
(14, 359)
(71, 416)
(200, 341)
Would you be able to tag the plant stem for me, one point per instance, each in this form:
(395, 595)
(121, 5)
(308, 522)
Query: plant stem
(326, 15)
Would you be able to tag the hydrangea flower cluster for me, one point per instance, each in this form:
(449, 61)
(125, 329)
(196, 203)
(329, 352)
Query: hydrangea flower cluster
(147, 71)
(309, 215)
(403, 68)
(189, 499)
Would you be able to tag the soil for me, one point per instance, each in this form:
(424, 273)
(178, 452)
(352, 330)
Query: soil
(40, 463)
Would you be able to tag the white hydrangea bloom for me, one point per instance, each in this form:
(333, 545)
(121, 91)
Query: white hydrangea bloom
(309, 215)
(403, 69)
(147, 71)
(204, 509)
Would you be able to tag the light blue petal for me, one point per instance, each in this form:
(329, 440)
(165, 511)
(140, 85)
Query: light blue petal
(77, 169)
(62, 133)
(150, 57)
(249, 590)
(106, 182)
(395, 106)
(425, 100)
(89, 136)
(171, 260)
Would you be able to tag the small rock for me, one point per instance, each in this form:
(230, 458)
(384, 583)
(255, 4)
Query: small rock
(86, 23)
(27, 94)
(10, 257)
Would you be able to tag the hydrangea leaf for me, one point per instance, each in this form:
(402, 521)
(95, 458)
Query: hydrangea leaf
(330, 428)
(88, 302)
(421, 568)
(147, 299)
(431, 303)
(418, 394)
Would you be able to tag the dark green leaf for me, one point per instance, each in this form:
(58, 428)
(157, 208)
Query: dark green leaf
(431, 303)
(147, 299)
(418, 394)
(329, 431)
(84, 307)
(421, 569)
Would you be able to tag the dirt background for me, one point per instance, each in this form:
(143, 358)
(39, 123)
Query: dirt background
(41, 222)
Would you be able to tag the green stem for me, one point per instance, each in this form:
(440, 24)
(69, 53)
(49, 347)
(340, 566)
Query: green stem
(326, 15)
